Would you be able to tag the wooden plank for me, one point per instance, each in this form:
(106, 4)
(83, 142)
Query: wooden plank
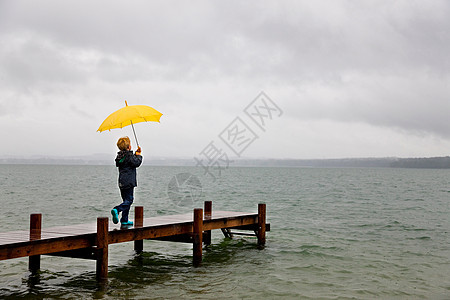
(229, 214)
(84, 253)
(121, 236)
(14, 237)
(251, 227)
(230, 222)
(182, 218)
(79, 229)
(165, 220)
(226, 232)
(179, 238)
(38, 247)
(18, 236)
(242, 233)
(24, 236)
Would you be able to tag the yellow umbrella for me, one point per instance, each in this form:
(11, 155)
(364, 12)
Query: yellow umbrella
(130, 115)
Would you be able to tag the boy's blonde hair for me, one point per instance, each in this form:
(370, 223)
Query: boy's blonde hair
(123, 143)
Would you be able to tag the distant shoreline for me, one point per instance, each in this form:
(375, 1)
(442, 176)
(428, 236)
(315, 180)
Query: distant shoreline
(388, 162)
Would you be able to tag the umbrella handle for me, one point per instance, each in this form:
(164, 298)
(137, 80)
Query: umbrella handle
(137, 143)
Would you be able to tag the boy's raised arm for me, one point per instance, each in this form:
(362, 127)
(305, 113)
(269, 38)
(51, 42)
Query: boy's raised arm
(138, 151)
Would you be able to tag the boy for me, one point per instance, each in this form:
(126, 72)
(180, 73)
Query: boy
(127, 162)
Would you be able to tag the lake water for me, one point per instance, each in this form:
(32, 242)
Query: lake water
(338, 233)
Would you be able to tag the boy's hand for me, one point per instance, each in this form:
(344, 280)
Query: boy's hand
(138, 151)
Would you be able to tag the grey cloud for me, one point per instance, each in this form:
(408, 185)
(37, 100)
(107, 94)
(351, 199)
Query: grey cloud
(282, 40)
(368, 38)
(415, 102)
(30, 61)
(141, 28)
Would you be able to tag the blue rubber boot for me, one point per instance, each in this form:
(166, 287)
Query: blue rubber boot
(127, 223)
(115, 215)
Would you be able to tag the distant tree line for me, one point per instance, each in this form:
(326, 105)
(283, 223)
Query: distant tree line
(423, 162)
(386, 162)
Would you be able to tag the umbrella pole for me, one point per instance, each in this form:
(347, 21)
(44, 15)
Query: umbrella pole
(135, 137)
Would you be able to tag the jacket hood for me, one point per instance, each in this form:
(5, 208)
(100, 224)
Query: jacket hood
(121, 156)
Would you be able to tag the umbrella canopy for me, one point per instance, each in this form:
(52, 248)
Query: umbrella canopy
(129, 115)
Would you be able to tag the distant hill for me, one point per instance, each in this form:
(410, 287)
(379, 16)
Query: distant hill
(387, 162)
(424, 162)
(319, 163)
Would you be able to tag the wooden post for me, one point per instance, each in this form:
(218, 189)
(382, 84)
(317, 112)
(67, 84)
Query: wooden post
(138, 223)
(261, 224)
(208, 214)
(197, 236)
(102, 248)
(34, 261)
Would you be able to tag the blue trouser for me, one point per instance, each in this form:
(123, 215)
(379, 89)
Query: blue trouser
(127, 197)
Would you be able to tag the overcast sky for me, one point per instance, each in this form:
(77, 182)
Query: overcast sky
(349, 78)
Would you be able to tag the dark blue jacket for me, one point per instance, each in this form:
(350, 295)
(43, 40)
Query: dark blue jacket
(127, 162)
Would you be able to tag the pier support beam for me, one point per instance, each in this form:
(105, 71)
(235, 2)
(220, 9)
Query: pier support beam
(102, 249)
(261, 224)
(138, 223)
(34, 261)
(197, 231)
(208, 214)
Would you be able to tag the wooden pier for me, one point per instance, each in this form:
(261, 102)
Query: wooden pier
(90, 241)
